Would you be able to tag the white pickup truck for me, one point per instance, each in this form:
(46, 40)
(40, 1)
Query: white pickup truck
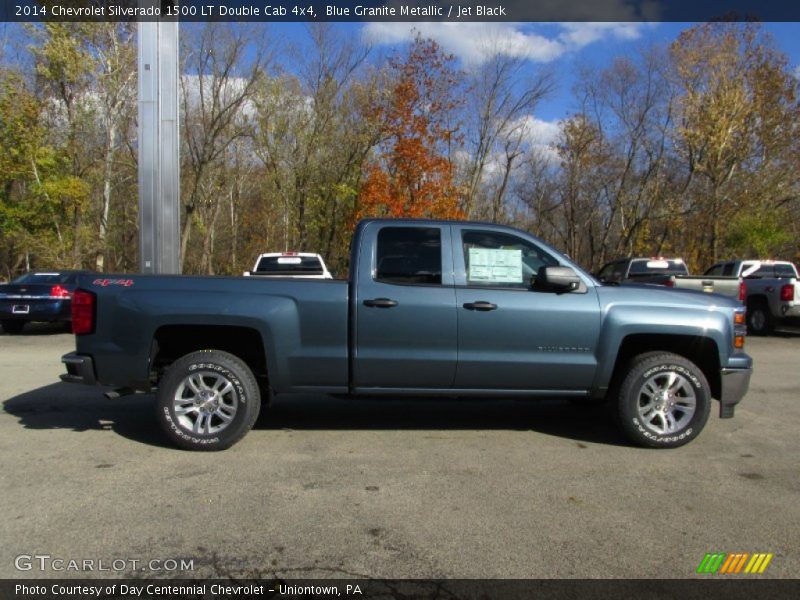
(300, 265)
(771, 290)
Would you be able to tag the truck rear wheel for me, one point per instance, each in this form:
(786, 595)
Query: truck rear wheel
(759, 319)
(664, 400)
(207, 400)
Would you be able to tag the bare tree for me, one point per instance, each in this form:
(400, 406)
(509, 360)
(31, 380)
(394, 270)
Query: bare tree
(502, 96)
(222, 69)
(312, 137)
(114, 53)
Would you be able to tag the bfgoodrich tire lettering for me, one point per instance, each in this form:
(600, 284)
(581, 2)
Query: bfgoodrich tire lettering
(207, 400)
(664, 400)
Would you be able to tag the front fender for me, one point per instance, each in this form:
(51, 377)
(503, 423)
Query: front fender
(623, 319)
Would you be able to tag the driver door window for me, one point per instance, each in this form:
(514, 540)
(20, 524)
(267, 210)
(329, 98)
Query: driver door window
(500, 260)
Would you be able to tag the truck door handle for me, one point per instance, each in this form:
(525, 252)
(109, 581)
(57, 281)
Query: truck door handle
(381, 303)
(480, 305)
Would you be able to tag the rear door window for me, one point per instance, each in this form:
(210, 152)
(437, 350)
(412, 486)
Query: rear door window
(784, 270)
(761, 272)
(657, 266)
(409, 255)
(289, 265)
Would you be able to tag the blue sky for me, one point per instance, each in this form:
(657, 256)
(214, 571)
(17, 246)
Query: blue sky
(561, 47)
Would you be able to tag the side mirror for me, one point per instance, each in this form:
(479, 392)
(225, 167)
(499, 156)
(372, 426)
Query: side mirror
(556, 279)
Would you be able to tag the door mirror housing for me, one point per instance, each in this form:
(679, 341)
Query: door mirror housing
(556, 279)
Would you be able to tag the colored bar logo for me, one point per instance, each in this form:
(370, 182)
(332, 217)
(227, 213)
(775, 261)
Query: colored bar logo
(722, 563)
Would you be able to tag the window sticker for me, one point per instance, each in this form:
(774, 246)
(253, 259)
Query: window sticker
(492, 265)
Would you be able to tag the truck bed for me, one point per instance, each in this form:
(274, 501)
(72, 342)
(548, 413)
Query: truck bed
(304, 320)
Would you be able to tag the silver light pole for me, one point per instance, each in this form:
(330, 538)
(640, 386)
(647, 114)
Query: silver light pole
(159, 144)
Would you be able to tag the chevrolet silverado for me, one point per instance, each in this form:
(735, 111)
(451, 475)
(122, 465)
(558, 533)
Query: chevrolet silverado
(431, 308)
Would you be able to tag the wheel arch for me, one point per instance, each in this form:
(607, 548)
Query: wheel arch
(170, 342)
(757, 299)
(702, 351)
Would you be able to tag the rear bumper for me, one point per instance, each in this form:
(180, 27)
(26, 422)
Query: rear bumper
(80, 369)
(35, 310)
(790, 310)
(735, 383)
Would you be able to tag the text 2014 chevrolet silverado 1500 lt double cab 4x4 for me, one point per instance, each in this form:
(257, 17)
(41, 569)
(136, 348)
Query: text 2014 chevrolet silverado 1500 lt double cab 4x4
(431, 308)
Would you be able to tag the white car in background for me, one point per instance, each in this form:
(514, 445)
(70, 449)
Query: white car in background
(300, 265)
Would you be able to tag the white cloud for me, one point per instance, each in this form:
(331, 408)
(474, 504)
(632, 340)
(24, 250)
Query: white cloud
(541, 135)
(538, 131)
(230, 92)
(475, 43)
(578, 35)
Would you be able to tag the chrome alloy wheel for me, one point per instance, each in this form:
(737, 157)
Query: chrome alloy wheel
(205, 402)
(667, 403)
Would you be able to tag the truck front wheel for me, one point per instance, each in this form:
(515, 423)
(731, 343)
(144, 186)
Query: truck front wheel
(207, 400)
(664, 400)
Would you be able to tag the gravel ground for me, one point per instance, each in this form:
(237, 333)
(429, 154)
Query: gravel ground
(383, 488)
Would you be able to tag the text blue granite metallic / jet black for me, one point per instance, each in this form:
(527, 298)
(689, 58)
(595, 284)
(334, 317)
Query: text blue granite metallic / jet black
(431, 308)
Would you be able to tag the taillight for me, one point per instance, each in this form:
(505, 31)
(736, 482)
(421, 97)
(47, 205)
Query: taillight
(670, 282)
(787, 292)
(83, 310)
(742, 291)
(58, 291)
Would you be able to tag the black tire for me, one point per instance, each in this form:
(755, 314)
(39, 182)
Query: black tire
(13, 326)
(197, 395)
(759, 319)
(677, 391)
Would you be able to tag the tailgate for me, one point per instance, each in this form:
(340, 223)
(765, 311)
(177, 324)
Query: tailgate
(726, 286)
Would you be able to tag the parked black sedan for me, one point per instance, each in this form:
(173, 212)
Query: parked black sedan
(37, 296)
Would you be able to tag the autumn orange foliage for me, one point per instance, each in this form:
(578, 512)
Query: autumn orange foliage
(412, 176)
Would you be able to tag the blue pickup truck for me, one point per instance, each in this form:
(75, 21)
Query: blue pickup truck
(431, 308)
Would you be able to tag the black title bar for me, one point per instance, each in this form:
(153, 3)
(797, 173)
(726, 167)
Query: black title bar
(400, 10)
(709, 588)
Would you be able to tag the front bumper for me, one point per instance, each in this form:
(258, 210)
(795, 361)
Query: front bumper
(80, 369)
(735, 383)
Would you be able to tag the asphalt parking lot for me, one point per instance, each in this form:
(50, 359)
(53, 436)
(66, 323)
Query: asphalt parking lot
(335, 488)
